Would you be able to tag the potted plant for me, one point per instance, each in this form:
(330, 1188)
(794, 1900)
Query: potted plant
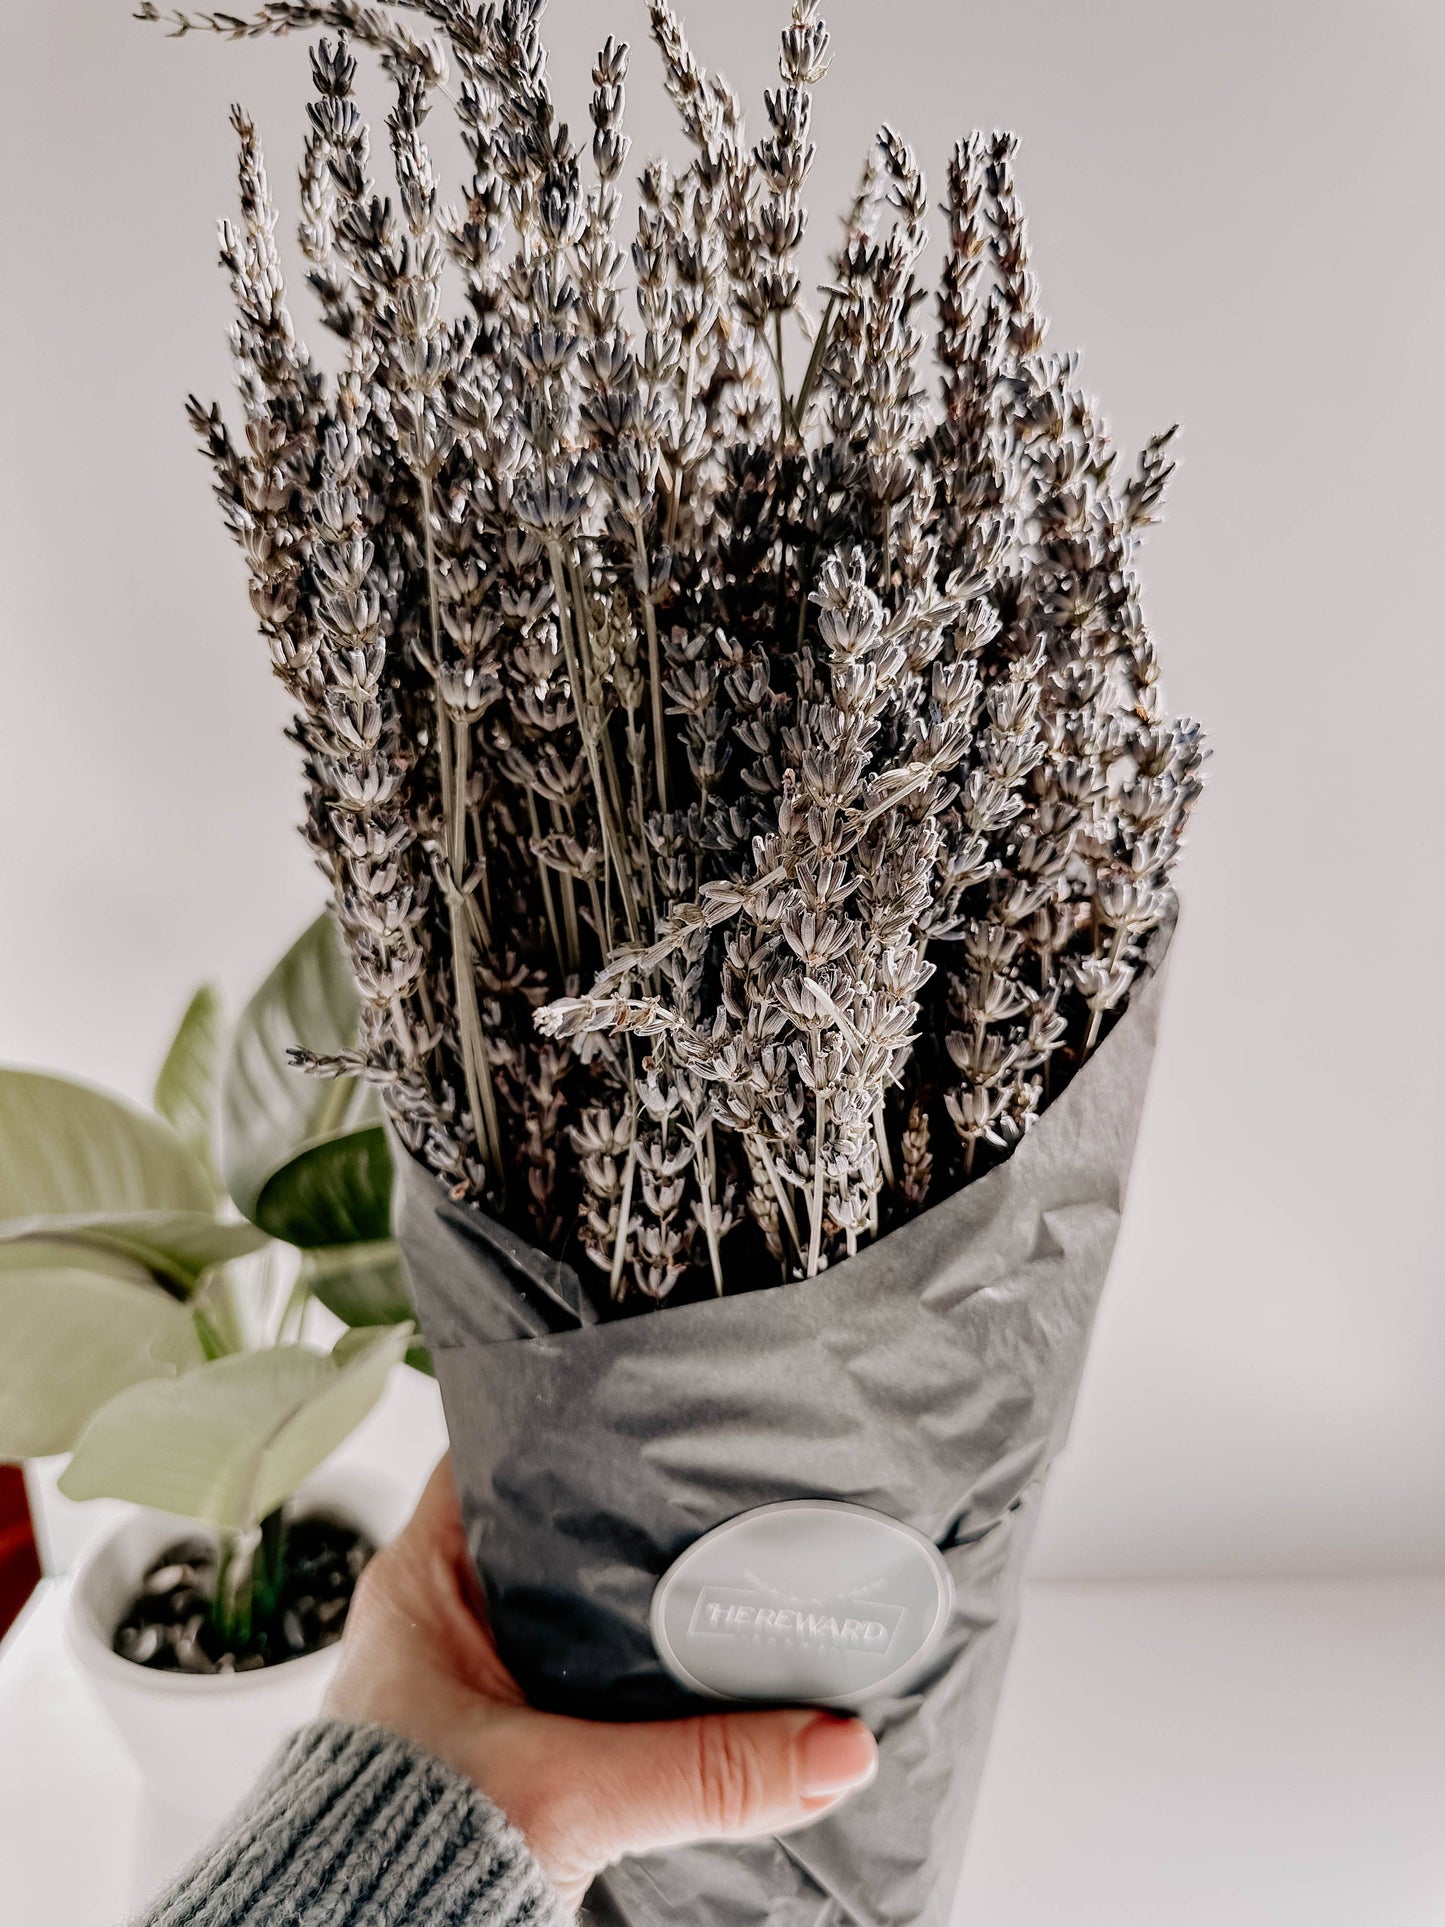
(155, 1273)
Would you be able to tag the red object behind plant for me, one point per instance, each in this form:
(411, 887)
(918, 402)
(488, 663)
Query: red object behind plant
(19, 1562)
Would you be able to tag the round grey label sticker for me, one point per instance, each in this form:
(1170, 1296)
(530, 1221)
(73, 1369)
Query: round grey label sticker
(809, 1600)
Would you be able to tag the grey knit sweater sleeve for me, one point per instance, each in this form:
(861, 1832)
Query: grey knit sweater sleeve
(354, 1827)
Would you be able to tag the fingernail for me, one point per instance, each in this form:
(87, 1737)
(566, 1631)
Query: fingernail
(834, 1755)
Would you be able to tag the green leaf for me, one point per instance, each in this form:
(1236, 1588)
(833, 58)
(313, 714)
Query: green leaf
(175, 1247)
(270, 1111)
(188, 1085)
(336, 1193)
(364, 1285)
(73, 1339)
(232, 1440)
(82, 1171)
(67, 1150)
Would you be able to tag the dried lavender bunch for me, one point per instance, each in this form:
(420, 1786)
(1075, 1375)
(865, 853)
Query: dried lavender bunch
(745, 805)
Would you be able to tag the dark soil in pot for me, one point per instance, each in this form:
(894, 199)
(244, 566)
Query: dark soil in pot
(170, 1626)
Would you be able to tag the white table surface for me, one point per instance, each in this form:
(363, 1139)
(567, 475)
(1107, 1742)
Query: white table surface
(1245, 1755)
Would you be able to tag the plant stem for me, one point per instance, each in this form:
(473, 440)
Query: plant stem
(815, 1227)
(805, 557)
(481, 1096)
(624, 1212)
(654, 668)
(639, 803)
(815, 364)
(213, 1345)
(484, 869)
(271, 1563)
(785, 1207)
(587, 724)
(231, 1607)
(675, 494)
(452, 770)
(880, 1133)
(1096, 1016)
(604, 734)
(709, 1223)
(476, 1066)
(567, 888)
(787, 420)
(544, 877)
(571, 926)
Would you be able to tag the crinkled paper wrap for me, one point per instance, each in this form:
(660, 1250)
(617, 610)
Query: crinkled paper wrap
(931, 1377)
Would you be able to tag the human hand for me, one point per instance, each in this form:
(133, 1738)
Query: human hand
(418, 1658)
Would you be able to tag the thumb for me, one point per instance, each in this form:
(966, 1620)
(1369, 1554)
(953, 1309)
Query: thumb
(724, 1776)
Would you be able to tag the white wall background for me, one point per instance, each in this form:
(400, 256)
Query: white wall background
(1236, 210)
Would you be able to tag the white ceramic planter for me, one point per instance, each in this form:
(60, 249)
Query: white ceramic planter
(201, 1740)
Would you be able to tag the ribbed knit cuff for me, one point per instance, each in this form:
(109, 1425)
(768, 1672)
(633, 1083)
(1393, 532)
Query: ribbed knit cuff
(354, 1827)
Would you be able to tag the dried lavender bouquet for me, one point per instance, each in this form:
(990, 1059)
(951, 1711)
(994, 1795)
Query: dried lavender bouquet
(745, 804)
(735, 747)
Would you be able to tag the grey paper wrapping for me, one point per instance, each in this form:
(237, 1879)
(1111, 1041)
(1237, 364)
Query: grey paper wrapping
(931, 1377)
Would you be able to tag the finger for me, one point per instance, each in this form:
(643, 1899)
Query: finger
(419, 1603)
(437, 1519)
(420, 1572)
(727, 1776)
(437, 1532)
